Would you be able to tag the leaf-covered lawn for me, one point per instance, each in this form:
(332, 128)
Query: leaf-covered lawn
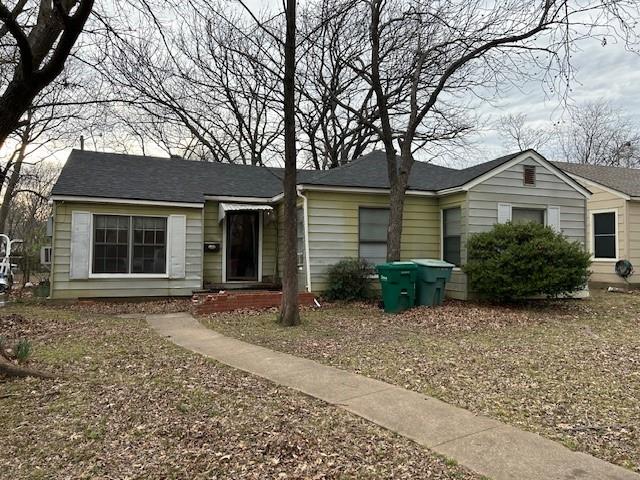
(135, 406)
(569, 370)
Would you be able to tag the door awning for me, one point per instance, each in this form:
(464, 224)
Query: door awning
(223, 208)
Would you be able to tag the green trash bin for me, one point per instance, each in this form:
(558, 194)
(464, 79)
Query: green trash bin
(398, 281)
(432, 277)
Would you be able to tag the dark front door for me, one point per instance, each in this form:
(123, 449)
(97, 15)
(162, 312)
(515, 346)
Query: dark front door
(242, 246)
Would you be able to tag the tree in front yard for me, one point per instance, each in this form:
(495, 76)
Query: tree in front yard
(516, 261)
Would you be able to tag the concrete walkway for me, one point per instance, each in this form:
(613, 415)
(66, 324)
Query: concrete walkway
(486, 446)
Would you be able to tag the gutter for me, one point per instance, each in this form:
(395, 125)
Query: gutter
(305, 214)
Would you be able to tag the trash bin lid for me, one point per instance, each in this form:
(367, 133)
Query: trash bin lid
(431, 262)
(397, 265)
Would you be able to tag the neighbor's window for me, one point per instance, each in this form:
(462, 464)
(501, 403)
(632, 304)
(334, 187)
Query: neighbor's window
(527, 215)
(529, 175)
(373, 225)
(604, 235)
(451, 233)
(300, 236)
(123, 244)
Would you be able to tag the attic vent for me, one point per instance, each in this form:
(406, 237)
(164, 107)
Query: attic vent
(529, 175)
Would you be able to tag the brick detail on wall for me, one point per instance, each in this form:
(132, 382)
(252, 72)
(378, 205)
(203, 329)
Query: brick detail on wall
(229, 301)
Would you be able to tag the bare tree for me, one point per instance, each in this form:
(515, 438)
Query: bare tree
(29, 212)
(517, 133)
(38, 37)
(200, 89)
(332, 135)
(53, 122)
(425, 59)
(599, 134)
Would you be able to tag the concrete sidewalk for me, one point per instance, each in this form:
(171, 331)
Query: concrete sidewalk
(485, 446)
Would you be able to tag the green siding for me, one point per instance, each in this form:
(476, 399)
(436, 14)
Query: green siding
(333, 228)
(63, 287)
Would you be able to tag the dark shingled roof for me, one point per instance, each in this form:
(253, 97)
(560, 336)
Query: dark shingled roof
(625, 180)
(134, 177)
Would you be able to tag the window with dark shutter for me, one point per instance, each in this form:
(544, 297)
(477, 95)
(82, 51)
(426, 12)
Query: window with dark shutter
(529, 177)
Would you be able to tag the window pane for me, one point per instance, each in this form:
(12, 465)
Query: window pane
(110, 244)
(451, 250)
(374, 253)
(525, 215)
(604, 223)
(605, 246)
(452, 222)
(149, 245)
(374, 223)
(300, 236)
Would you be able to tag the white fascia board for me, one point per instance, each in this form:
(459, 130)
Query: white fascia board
(612, 191)
(540, 160)
(124, 201)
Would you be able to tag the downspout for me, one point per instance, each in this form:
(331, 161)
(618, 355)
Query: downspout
(305, 215)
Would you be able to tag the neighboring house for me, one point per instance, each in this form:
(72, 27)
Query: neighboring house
(127, 225)
(613, 226)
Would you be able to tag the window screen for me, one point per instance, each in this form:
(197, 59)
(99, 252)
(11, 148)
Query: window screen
(451, 233)
(373, 225)
(525, 215)
(604, 235)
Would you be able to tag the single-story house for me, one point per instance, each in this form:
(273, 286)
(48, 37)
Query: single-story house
(126, 225)
(613, 226)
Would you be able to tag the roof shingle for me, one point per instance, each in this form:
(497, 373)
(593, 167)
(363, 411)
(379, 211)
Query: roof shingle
(625, 180)
(134, 177)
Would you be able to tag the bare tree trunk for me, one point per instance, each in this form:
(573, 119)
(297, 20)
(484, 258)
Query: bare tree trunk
(15, 176)
(397, 197)
(289, 314)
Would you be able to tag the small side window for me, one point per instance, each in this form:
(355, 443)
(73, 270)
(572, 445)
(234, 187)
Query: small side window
(529, 176)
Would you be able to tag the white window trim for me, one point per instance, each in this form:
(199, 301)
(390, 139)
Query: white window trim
(128, 275)
(224, 253)
(592, 237)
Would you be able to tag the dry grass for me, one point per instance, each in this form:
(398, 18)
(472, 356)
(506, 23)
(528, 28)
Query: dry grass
(135, 406)
(567, 370)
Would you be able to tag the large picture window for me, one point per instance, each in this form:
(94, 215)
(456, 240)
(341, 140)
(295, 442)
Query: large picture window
(372, 227)
(451, 235)
(604, 235)
(123, 244)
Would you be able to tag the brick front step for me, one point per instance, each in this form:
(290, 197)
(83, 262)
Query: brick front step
(229, 301)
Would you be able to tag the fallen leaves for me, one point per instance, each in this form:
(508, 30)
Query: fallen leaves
(569, 370)
(139, 407)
